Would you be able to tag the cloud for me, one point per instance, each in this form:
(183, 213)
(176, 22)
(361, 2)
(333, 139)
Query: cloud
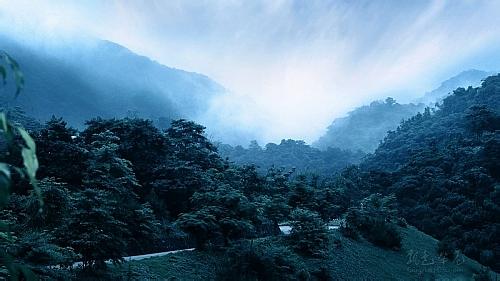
(291, 66)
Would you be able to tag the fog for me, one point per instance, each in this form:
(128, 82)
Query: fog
(290, 67)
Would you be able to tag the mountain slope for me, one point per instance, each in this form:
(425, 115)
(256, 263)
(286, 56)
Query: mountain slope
(363, 128)
(353, 260)
(472, 77)
(104, 79)
(444, 168)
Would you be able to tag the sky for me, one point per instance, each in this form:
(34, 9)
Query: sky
(290, 67)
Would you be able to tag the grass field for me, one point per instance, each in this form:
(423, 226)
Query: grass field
(353, 260)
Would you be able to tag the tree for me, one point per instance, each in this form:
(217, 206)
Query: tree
(141, 143)
(253, 261)
(480, 119)
(115, 175)
(58, 147)
(374, 219)
(56, 204)
(223, 214)
(28, 169)
(309, 234)
(302, 195)
(92, 230)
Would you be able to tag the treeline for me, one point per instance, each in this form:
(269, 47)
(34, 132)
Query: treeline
(293, 155)
(123, 187)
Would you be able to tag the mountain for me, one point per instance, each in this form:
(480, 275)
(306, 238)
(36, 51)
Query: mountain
(363, 128)
(101, 78)
(472, 77)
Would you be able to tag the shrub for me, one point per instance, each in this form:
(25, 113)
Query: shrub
(247, 261)
(382, 234)
(309, 235)
(349, 232)
(446, 248)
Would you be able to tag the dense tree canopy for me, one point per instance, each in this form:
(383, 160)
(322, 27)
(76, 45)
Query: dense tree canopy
(443, 167)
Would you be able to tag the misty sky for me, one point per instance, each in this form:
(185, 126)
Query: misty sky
(291, 67)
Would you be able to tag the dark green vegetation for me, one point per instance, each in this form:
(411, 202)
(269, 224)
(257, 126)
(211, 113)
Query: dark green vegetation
(104, 79)
(443, 168)
(292, 155)
(364, 128)
(122, 187)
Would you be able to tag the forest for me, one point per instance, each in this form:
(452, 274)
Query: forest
(122, 186)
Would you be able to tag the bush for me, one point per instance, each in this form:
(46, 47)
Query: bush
(349, 232)
(446, 248)
(382, 234)
(374, 228)
(309, 235)
(247, 261)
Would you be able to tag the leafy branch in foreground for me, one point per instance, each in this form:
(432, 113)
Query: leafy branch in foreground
(8, 265)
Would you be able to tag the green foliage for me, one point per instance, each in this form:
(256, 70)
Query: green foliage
(292, 155)
(442, 165)
(6, 62)
(374, 220)
(309, 234)
(38, 250)
(57, 148)
(480, 119)
(446, 249)
(222, 214)
(29, 169)
(249, 261)
(92, 229)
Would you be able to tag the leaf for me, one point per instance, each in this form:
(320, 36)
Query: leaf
(4, 184)
(18, 75)
(6, 128)
(4, 169)
(30, 161)
(30, 143)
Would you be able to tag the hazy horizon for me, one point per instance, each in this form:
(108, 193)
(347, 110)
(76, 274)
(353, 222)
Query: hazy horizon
(289, 68)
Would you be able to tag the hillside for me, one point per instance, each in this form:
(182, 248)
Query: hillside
(443, 166)
(352, 260)
(363, 128)
(101, 78)
(292, 155)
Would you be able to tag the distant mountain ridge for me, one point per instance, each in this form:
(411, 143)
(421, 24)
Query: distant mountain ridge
(471, 77)
(366, 126)
(105, 79)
